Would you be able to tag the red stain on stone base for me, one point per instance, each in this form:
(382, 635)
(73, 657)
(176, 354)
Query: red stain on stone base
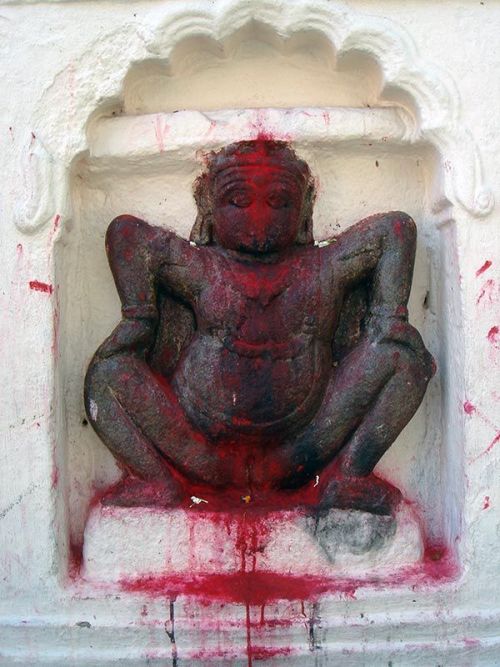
(248, 588)
(260, 588)
(486, 503)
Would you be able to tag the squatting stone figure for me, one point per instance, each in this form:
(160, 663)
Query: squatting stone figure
(251, 361)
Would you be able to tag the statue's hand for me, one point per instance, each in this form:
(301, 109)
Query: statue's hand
(131, 335)
(392, 329)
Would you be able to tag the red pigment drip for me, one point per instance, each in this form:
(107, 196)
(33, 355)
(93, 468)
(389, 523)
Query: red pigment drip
(485, 290)
(486, 503)
(249, 635)
(495, 440)
(483, 268)
(41, 287)
(55, 476)
(262, 587)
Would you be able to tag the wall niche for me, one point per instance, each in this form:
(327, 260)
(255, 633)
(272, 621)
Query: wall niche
(145, 151)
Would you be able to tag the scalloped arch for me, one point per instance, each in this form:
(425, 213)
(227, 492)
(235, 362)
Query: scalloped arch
(434, 92)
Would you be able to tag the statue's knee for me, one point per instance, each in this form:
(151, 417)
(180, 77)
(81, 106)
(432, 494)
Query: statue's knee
(418, 365)
(102, 375)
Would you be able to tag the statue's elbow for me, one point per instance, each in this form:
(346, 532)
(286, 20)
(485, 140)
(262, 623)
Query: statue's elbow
(124, 231)
(123, 226)
(402, 227)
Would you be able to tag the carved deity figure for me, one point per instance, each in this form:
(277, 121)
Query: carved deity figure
(251, 361)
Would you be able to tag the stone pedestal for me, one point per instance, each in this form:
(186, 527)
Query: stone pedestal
(123, 544)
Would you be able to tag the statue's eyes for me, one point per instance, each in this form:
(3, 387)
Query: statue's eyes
(278, 200)
(240, 199)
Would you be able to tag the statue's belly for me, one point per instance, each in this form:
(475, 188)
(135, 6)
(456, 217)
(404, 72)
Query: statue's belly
(246, 387)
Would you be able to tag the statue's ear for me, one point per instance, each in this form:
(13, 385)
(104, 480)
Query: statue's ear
(201, 233)
(305, 235)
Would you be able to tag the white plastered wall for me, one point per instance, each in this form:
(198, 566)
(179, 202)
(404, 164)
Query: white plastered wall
(80, 147)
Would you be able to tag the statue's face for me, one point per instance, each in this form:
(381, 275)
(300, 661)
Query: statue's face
(257, 208)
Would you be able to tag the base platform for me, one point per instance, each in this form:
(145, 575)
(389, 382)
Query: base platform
(127, 543)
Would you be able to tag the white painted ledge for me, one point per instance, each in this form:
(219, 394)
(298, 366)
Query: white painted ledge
(146, 135)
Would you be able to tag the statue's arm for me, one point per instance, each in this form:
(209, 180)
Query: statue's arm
(380, 248)
(135, 251)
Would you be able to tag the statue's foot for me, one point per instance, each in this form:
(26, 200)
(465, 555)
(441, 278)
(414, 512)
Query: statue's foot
(369, 494)
(132, 492)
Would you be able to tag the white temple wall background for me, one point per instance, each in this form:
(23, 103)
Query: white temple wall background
(89, 131)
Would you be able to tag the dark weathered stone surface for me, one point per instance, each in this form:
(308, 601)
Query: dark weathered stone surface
(250, 361)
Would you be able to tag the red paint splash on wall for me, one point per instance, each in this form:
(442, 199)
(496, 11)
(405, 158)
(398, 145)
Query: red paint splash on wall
(486, 291)
(486, 503)
(54, 476)
(495, 440)
(483, 268)
(41, 287)
(469, 408)
(493, 336)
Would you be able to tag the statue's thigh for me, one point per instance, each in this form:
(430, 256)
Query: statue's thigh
(148, 400)
(351, 391)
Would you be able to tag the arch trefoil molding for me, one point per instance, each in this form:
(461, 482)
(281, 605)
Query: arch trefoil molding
(434, 94)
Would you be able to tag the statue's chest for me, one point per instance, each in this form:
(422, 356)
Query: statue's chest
(243, 295)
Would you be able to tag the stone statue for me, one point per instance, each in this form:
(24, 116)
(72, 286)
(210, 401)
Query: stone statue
(251, 362)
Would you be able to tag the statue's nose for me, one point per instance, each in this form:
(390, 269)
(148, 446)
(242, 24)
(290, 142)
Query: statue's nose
(260, 221)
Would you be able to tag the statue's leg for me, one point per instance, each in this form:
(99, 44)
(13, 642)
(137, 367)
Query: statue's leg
(138, 417)
(371, 396)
